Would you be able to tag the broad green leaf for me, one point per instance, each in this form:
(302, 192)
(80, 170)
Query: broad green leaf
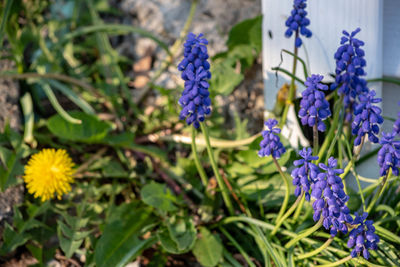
(167, 243)
(114, 169)
(158, 196)
(68, 246)
(90, 130)
(208, 248)
(182, 232)
(120, 241)
(225, 78)
(246, 32)
(12, 239)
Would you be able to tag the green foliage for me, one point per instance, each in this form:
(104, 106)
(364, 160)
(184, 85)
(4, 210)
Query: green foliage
(244, 45)
(121, 241)
(90, 130)
(158, 196)
(208, 248)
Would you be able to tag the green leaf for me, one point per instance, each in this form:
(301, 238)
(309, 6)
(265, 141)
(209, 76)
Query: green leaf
(10, 167)
(91, 129)
(182, 232)
(158, 196)
(225, 78)
(120, 241)
(12, 239)
(166, 242)
(246, 32)
(4, 16)
(208, 248)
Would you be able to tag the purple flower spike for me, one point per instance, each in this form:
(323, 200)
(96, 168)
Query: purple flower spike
(367, 118)
(362, 237)
(314, 108)
(389, 154)
(195, 100)
(350, 65)
(298, 22)
(306, 174)
(271, 144)
(330, 199)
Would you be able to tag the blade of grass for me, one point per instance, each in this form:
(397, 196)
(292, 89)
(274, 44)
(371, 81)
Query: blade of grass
(114, 29)
(4, 16)
(56, 105)
(77, 100)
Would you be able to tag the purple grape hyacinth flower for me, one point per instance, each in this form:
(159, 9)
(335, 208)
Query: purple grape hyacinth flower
(306, 174)
(330, 199)
(350, 65)
(363, 237)
(389, 154)
(367, 118)
(396, 125)
(298, 22)
(195, 99)
(314, 108)
(271, 144)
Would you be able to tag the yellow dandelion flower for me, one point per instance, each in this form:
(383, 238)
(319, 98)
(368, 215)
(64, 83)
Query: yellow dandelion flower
(49, 172)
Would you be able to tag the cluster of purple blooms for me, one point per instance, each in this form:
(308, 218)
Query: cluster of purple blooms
(389, 154)
(350, 65)
(357, 98)
(298, 22)
(363, 236)
(367, 118)
(327, 188)
(271, 144)
(305, 174)
(195, 99)
(314, 108)
(330, 199)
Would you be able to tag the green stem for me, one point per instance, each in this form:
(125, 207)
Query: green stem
(299, 208)
(315, 139)
(378, 194)
(316, 251)
(360, 192)
(306, 233)
(221, 184)
(287, 214)
(199, 167)
(330, 135)
(337, 263)
(287, 193)
(292, 86)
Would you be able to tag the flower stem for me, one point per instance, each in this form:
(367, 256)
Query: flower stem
(306, 233)
(220, 182)
(315, 139)
(287, 214)
(289, 101)
(316, 251)
(377, 195)
(330, 135)
(199, 167)
(287, 193)
(299, 208)
(337, 263)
